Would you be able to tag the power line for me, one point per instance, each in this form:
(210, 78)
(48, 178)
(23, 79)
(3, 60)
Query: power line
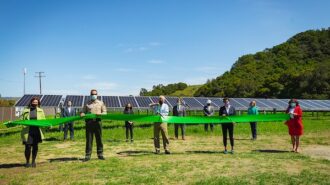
(40, 75)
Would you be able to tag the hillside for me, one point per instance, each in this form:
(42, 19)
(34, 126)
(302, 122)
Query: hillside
(298, 68)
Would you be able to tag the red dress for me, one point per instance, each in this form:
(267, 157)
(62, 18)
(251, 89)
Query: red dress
(295, 124)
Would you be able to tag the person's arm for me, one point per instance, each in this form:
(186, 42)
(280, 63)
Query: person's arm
(42, 115)
(103, 109)
(84, 110)
(257, 111)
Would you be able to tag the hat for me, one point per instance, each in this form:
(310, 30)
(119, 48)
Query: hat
(208, 102)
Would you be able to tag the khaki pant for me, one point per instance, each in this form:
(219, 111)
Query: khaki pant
(162, 128)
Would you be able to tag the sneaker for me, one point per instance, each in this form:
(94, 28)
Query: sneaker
(167, 152)
(101, 157)
(225, 152)
(157, 151)
(232, 151)
(132, 140)
(33, 165)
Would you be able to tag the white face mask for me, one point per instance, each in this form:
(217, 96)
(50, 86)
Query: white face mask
(93, 97)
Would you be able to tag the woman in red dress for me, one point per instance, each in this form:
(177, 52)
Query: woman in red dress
(295, 123)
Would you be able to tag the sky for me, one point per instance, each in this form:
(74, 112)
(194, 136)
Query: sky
(121, 46)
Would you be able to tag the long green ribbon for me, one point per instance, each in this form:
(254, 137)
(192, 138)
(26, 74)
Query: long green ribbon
(155, 118)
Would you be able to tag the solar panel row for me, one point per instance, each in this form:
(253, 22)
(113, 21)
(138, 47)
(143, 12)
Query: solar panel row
(191, 102)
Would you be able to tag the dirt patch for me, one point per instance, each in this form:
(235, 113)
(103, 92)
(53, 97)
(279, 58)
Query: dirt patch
(317, 151)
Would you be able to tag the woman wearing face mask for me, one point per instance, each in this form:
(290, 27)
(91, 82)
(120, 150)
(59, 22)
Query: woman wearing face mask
(32, 135)
(253, 110)
(129, 124)
(295, 123)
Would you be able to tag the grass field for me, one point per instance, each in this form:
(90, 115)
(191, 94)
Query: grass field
(197, 160)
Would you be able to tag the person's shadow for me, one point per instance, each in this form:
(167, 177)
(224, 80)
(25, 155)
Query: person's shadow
(135, 153)
(271, 151)
(204, 152)
(12, 165)
(64, 159)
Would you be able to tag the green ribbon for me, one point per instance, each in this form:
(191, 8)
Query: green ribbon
(155, 118)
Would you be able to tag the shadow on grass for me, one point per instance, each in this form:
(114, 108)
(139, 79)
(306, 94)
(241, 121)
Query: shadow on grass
(135, 153)
(204, 152)
(12, 165)
(271, 151)
(52, 139)
(64, 159)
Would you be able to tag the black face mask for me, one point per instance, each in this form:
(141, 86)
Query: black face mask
(33, 105)
(160, 102)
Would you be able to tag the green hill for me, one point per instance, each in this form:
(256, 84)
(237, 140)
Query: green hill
(298, 68)
(187, 92)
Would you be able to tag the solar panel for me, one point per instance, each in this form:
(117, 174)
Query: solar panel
(172, 101)
(214, 101)
(111, 101)
(127, 99)
(88, 99)
(239, 103)
(25, 100)
(77, 101)
(192, 102)
(51, 100)
(143, 101)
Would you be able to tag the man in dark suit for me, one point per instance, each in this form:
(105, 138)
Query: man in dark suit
(67, 112)
(179, 110)
(227, 110)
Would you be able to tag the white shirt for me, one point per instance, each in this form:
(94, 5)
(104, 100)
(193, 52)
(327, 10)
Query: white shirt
(227, 109)
(162, 110)
(69, 109)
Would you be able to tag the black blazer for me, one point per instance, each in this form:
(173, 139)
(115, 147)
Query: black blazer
(223, 110)
(66, 113)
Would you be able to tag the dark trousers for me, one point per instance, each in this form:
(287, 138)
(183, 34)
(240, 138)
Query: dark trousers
(230, 128)
(254, 129)
(27, 152)
(68, 126)
(176, 130)
(206, 127)
(129, 130)
(94, 128)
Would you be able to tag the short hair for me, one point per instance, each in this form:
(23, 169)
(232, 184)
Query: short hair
(226, 98)
(93, 90)
(162, 97)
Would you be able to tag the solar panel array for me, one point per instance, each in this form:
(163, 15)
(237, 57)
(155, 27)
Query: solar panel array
(193, 103)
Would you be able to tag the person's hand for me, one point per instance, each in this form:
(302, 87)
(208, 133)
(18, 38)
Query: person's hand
(223, 114)
(82, 114)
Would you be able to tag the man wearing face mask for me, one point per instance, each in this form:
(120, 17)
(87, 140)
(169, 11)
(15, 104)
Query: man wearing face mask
(67, 112)
(94, 126)
(208, 110)
(161, 108)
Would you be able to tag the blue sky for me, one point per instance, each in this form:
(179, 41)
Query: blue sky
(121, 46)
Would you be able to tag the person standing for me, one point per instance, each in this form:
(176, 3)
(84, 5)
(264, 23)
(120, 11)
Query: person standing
(227, 110)
(129, 124)
(68, 111)
(32, 135)
(161, 108)
(179, 110)
(94, 126)
(295, 124)
(208, 110)
(253, 110)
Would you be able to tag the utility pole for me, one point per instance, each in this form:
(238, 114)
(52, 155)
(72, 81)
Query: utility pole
(39, 75)
(24, 73)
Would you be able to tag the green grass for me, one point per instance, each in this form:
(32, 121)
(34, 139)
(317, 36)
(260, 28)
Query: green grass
(198, 160)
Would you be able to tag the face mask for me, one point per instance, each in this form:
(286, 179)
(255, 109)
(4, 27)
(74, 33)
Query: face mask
(93, 97)
(293, 104)
(34, 105)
